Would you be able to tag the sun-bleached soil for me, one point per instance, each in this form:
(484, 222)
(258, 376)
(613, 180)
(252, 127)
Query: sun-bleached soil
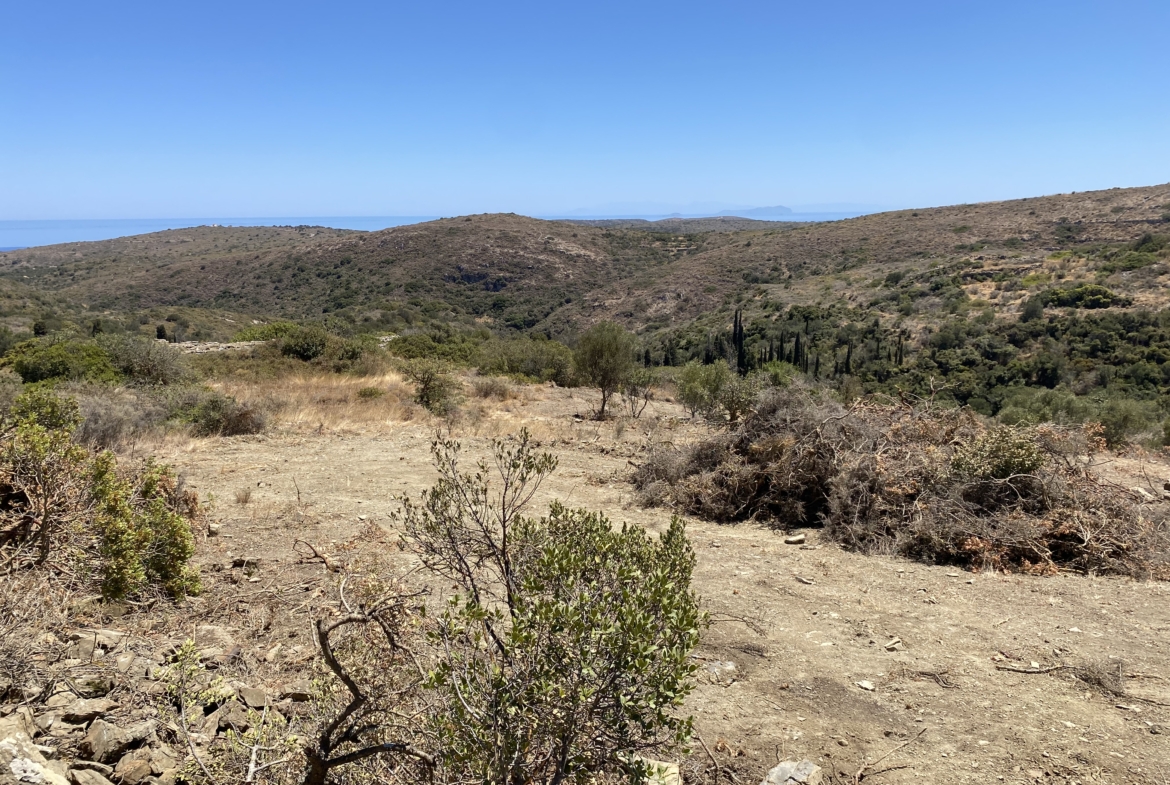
(938, 652)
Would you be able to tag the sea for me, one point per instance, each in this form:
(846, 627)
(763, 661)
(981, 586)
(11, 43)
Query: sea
(15, 235)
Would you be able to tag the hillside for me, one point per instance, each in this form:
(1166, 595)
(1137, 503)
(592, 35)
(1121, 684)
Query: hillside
(512, 272)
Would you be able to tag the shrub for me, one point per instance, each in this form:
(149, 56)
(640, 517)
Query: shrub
(434, 389)
(738, 394)
(1085, 296)
(114, 417)
(1033, 309)
(305, 343)
(454, 348)
(605, 359)
(143, 529)
(546, 361)
(145, 361)
(699, 386)
(53, 360)
(211, 413)
(491, 387)
(567, 649)
(125, 533)
(998, 454)
(638, 390)
(10, 387)
(370, 393)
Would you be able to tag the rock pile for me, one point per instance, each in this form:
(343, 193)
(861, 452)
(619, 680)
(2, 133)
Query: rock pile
(97, 722)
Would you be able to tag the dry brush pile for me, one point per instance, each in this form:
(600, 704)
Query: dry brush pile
(927, 482)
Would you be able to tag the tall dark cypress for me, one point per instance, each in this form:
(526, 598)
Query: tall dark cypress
(849, 359)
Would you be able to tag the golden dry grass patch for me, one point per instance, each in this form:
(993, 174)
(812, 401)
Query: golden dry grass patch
(329, 401)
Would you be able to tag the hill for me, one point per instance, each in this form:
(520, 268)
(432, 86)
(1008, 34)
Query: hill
(516, 273)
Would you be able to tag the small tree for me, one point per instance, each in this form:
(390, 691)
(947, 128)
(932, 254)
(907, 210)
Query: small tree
(638, 390)
(701, 386)
(604, 359)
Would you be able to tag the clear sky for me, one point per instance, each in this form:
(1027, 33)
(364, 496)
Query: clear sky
(164, 109)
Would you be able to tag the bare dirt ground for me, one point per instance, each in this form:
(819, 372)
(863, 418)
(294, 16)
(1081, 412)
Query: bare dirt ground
(813, 652)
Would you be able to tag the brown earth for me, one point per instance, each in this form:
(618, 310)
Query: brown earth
(801, 626)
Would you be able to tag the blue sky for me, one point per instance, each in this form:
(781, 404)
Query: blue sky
(137, 109)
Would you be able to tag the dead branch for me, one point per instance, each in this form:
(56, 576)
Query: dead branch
(861, 773)
(329, 563)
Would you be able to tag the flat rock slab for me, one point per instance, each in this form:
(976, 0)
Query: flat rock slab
(791, 772)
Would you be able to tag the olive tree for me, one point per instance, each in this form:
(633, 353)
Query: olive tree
(605, 359)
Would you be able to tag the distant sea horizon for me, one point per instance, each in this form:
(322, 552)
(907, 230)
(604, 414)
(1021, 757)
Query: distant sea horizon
(16, 235)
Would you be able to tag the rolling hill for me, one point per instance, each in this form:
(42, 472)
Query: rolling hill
(516, 273)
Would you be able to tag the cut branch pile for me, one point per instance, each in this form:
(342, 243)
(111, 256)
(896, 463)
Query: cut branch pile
(916, 479)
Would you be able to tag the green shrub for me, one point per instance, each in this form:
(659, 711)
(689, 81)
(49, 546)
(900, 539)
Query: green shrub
(211, 413)
(454, 348)
(1087, 295)
(53, 360)
(305, 343)
(567, 648)
(126, 533)
(370, 393)
(546, 361)
(1000, 453)
(700, 386)
(434, 389)
(145, 361)
(739, 393)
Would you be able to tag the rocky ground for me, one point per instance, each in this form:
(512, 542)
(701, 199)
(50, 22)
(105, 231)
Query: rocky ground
(872, 668)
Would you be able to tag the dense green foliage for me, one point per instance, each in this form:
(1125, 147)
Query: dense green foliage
(605, 359)
(567, 648)
(50, 359)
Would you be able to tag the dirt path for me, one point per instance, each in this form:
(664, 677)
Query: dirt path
(800, 626)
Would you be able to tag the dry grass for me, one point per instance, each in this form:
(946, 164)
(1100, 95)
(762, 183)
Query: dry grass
(329, 401)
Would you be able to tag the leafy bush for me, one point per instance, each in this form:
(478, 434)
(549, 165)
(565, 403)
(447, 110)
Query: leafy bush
(638, 390)
(434, 389)
(127, 533)
(54, 360)
(452, 347)
(605, 359)
(143, 529)
(998, 454)
(211, 413)
(1087, 295)
(699, 386)
(547, 361)
(305, 343)
(567, 649)
(370, 393)
(145, 361)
